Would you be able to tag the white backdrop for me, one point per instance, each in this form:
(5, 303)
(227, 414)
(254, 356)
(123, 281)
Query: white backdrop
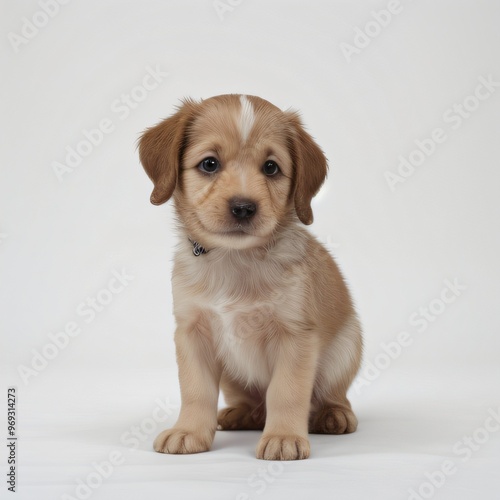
(404, 98)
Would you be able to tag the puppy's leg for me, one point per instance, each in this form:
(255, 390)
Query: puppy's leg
(199, 376)
(288, 400)
(246, 407)
(331, 411)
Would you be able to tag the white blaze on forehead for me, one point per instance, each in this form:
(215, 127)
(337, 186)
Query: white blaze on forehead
(247, 118)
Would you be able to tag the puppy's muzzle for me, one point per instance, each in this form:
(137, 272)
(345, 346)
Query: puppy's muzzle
(242, 209)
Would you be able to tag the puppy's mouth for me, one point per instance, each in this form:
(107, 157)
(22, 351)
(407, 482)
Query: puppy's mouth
(236, 236)
(238, 230)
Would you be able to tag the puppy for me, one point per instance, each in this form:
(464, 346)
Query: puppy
(262, 310)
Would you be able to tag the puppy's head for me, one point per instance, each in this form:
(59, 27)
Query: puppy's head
(237, 167)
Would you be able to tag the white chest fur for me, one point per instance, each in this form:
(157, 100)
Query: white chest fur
(245, 301)
(240, 333)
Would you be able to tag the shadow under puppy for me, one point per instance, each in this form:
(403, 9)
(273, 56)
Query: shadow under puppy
(262, 310)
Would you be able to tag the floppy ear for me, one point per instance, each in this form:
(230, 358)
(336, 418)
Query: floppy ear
(310, 167)
(160, 149)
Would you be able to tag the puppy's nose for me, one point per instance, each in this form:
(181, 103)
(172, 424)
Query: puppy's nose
(242, 209)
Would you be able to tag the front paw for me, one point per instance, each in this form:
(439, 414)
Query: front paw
(289, 447)
(181, 441)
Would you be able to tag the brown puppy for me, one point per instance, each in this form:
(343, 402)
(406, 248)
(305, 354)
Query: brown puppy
(262, 310)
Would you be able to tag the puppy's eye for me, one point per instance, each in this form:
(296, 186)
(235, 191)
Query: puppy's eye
(209, 165)
(270, 168)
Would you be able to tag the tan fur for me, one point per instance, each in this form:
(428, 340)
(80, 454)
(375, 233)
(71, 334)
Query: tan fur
(265, 315)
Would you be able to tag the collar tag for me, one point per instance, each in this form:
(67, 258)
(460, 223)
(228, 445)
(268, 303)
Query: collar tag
(198, 249)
